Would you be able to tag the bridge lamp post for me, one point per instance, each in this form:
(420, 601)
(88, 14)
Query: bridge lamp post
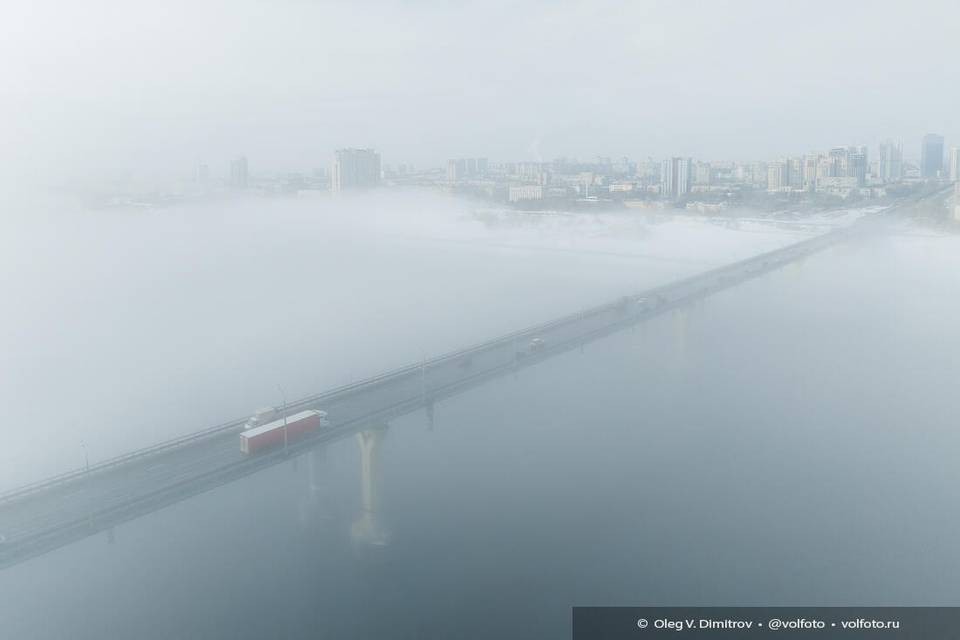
(86, 456)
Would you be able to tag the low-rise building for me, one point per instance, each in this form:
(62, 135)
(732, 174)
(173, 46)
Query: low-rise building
(524, 192)
(837, 185)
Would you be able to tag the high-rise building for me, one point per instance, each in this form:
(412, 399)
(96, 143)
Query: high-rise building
(857, 164)
(931, 156)
(847, 162)
(239, 172)
(890, 161)
(355, 169)
(838, 162)
(702, 173)
(676, 176)
(648, 171)
(954, 166)
(777, 175)
(811, 165)
(464, 168)
(825, 166)
(455, 170)
(795, 173)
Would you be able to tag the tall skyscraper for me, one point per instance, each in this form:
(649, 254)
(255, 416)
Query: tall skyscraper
(778, 175)
(675, 177)
(239, 174)
(811, 164)
(838, 162)
(931, 155)
(890, 161)
(795, 171)
(355, 169)
(954, 166)
(857, 163)
(456, 169)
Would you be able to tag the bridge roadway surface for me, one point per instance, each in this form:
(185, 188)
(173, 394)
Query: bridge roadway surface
(49, 514)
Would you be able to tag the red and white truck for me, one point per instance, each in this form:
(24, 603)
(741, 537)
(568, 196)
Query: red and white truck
(279, 431)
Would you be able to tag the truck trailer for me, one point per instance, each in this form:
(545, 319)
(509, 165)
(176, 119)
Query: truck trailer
(279, 431)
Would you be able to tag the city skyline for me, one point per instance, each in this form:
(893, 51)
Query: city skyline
(893, 153)
(887, 159)
(654, 79)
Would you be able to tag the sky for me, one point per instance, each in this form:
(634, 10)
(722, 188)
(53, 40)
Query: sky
(161, 86)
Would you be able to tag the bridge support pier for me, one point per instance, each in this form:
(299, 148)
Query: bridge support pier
(368, 530)
(430, 416)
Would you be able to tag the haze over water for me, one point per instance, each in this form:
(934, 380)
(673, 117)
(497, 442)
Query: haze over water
(789, 441)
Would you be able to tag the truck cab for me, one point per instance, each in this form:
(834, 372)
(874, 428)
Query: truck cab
(261, 417)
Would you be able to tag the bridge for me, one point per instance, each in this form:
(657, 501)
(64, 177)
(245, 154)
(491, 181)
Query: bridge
(43, 516)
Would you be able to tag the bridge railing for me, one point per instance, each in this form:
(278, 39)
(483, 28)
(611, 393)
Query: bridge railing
(82, 472)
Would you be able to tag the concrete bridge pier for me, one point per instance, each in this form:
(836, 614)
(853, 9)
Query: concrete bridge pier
(430, 416)
(368, 530)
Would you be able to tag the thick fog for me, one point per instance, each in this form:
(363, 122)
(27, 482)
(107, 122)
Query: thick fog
(178, 248)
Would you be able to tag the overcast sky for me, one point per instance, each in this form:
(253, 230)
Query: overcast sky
(164, 85)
